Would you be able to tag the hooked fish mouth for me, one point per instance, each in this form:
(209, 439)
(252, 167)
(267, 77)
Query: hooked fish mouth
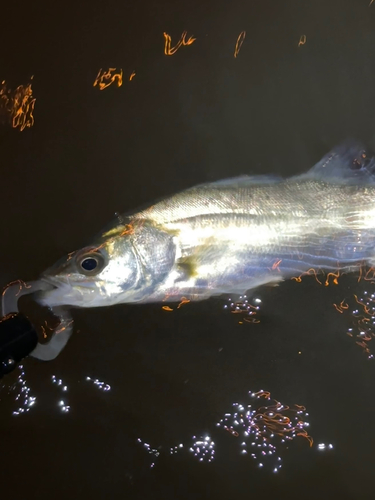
(59, 291)
(59, 333)
(56, 292)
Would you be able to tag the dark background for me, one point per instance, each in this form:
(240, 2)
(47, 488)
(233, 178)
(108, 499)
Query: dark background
(198, 115)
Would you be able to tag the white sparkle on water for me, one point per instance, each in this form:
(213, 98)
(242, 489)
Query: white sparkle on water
(263, 428)
(100, 385)
(323, 446)
(26, 401)
(65, 408)
(151, 451)
(245, 307)
(203, 448)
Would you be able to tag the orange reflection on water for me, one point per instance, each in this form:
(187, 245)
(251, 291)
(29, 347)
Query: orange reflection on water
(342, 307)
(364, 273)
(105, 78)
(362, 315)
(245, 308)
(262, 394)
(335, 277)
(184, 300)
(18, 105)
(308, 272)
(370, 275)
(253, 320)
(266, 421)
(239, 42)
(168, 50)
(365, 307)
(278, 419)
(302, 40)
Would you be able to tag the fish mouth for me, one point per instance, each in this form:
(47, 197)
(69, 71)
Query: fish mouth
(61, 332)
(56, 292)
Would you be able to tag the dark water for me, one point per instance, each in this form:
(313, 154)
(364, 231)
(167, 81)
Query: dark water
(198, 115)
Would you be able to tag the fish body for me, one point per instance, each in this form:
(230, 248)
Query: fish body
(228, 237)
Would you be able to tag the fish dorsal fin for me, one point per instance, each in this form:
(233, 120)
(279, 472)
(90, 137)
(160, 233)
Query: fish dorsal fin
(349, 163)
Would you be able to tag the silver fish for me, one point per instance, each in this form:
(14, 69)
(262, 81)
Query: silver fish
(228, 237)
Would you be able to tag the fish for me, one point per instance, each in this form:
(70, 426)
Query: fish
(228, 236)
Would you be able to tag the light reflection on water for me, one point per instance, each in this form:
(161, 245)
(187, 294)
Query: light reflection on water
(264, 430)
(21, 394)
(261, 427)
(23, 398)
(361, 310)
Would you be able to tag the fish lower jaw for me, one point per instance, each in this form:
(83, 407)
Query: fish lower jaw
(52, 299)
(60, 295)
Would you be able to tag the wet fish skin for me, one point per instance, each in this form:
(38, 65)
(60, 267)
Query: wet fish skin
(228, 237)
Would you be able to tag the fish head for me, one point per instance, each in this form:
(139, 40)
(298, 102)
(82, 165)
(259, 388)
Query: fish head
(124, 267)
(92, 276)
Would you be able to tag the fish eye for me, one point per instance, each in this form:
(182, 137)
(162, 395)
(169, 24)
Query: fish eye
(91, 264)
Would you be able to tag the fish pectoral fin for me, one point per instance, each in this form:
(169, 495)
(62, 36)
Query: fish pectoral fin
(187, 268)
